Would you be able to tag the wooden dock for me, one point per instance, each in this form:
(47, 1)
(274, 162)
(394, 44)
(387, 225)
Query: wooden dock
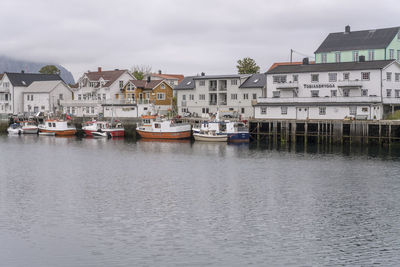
(325, 131)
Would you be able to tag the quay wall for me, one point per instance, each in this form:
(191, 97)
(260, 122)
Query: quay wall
(325, 131)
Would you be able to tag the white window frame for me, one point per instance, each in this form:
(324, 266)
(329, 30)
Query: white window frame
(160, 96)
(263, 110)
(322, 110)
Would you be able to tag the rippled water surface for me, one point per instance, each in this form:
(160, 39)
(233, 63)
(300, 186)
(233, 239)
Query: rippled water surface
(88, 202)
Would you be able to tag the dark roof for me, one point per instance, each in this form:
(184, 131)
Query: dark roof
(143, 84)
(367, 65)
(228, 76)
(25, 79)
(179, 77)
(1, 75)
(258, 80)
(110, 76)
(187, 83)
(357, 40)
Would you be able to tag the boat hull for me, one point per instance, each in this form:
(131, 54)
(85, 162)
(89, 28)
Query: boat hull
(164, 135)
(239, 137)
(60, 132)
(210, 138)
(114, 133)
(30, 130)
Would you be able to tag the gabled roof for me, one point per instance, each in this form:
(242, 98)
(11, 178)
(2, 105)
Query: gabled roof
(258, 80)
(109, 75)
(25, 79)
(179, 77)
(358, 40)
(344, 66)
(143, 84)
(43, 86)
(187, 84)
(287, 63)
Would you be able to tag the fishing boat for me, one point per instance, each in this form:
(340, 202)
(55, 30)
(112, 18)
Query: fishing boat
(29, 127)
(210, 136)
(101, 134)
(15, 128)
(156, 128)
(58, 127)
(93, 127)
(237, 132)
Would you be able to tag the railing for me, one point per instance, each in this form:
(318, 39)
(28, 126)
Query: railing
(350, 83)
(212, 88)
(350, 99)
(222, 103)
(143, 101)
(213, 103)
(222, 88)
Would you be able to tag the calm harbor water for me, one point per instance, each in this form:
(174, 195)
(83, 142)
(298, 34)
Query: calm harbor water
(88, 202)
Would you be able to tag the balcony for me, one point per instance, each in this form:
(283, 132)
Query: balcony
(222, 88)
(222, 103)
(212, 88)
(316, 100)
(288, 86)
(391, 100)
(143, 101)
(213, 103)
(350, 84)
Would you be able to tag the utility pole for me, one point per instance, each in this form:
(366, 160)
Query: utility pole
(291, 55)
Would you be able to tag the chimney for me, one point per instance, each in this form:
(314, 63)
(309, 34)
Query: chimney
(305, 61)
(203, 74)
(159, 72)
(361, 58)
(347, 29)
(22, 71)
(99, 69)
(148, 79)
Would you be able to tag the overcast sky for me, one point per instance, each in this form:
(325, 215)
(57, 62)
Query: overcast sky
(179, 36)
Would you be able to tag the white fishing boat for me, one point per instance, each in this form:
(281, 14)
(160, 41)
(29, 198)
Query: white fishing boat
(101, 134)
(156, 128)
(92, 127)
(57, 127)
(15, 128)
(210, 136)
(29, 127)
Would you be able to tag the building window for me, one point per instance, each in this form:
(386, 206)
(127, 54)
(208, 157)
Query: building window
(276, 94)
(233, 82)
(353, 111)
(202, 83)
(397, 77)
(333, 93)
(121, 84)
(284, 110)
(191, 97)
(346, 92)
(245, 96)
(92, 110)
(398, 55)
(355, 56)
(337, 57)
(314, 93)
(160, 96)
(388, 92)
(243, 110)
(364, 92)
(104, 96)
(391, 53)
(295, 78)
(61, 97)
(263, 110)
(205, 110)
(162, 86)
(42, 107)
(322, 110)
(371, 55)
(365, 76)
(184, 110)
(397, 93)
(279, 79)
(27, 97)
(323, 58)
(332, 77)
(233, 96)
(346, 76)
(314, 78)
(254, 96)
(388, 76)
(183, 97)
(202, 97)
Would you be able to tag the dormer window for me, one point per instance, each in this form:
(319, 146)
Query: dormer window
(162, 86)
(121, 84)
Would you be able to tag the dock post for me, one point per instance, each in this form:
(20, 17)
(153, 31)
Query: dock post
(318, 129)
(258, 132)
(390, 134)
(380, 133)
(294, 126)
(305, 133)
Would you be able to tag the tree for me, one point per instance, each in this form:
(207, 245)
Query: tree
(139, 72)
(247, 66)
(49, 69)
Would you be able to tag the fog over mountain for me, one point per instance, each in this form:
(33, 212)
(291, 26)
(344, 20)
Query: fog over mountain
(8, 64)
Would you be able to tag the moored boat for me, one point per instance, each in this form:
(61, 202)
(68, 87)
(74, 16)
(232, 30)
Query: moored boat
(210, 136)
(15, 128)
(58, 127)
(237, 132)
(153, 127)
(29, 127)
(91, 127)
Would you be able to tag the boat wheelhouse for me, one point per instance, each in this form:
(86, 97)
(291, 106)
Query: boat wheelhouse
(58, 127)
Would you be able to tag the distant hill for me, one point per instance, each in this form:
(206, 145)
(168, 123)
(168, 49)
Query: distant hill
(12, 65)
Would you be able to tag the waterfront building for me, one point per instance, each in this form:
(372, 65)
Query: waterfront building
(172, 79)
(361, 90)
(230, 94)
(348, 46)
(45, 96)
(98, 92)
(13, 86)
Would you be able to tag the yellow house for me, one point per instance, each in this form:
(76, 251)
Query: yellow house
(156, 92)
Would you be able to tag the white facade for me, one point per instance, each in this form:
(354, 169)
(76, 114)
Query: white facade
(210, 93)
(360, 94)
(6, 102)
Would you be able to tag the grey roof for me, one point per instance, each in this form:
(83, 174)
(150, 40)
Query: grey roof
(25, 79)
(367, 65)
(358, 40)
(258, 80)
(187, 84)
(43, 86)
